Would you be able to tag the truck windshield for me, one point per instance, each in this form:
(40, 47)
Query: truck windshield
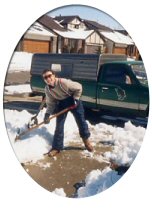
(139, 71)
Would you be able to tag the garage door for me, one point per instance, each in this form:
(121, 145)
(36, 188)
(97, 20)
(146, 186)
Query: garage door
(119, 50)
(36, 46)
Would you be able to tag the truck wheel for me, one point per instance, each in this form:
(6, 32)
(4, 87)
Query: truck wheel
(147, 111)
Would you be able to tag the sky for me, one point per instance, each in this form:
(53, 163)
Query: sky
(87, 12)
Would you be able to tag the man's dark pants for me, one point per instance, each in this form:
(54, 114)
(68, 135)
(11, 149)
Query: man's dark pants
(78, 113)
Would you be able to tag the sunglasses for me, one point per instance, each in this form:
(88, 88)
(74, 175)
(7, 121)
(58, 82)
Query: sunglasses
(47, 76)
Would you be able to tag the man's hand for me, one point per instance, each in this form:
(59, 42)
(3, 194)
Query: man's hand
(46, 118)
(76, 102)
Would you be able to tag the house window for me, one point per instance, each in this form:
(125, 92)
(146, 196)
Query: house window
(76, 26)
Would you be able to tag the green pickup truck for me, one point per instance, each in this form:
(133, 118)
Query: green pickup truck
(111, 83)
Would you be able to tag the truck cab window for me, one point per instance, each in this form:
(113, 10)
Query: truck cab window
(116, 73)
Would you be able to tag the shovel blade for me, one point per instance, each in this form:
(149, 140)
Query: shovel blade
(17, 134)
(33, 122)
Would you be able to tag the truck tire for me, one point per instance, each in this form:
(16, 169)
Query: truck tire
(147, 111)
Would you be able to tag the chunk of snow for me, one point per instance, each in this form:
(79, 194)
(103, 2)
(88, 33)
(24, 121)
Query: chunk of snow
(97, 181)
(60, 192)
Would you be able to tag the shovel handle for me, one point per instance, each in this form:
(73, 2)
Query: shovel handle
(41, 123)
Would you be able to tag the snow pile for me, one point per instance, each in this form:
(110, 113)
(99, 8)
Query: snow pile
(32, 146)
(60, 192)
(98, 181)
(17, 89)
(126, 141)
(20, 61)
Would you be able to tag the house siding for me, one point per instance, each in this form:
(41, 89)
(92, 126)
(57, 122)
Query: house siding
(94, 39)
(76, 22)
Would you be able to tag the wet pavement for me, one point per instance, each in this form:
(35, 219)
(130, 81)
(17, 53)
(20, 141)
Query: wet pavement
(67, 170)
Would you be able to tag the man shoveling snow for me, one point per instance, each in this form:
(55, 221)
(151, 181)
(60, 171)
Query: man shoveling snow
(60, 94)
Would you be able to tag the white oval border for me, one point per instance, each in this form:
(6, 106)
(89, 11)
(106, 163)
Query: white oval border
(22, 199)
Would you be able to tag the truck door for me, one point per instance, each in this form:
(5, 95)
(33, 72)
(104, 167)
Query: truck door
(117, 89)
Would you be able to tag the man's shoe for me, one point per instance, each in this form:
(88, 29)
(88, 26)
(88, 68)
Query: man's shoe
(88, 145)
(53, 152)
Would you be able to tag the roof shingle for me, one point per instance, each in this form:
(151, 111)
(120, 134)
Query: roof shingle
(95, 25)
(66, 19)
(49, 23)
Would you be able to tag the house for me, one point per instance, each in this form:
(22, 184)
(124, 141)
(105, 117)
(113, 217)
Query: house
(118, 43)
(40, 37)
(71, 22)
(37, 39)
(72, 36)
(80, 41)
(133, 50)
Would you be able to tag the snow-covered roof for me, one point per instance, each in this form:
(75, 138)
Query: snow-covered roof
(79, 34)
(117, 37)
(38, 29)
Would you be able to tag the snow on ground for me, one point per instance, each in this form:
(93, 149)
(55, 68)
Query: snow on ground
(97, 181)
(126, 141)
(17, 89)
(20, 61)
(34, 145)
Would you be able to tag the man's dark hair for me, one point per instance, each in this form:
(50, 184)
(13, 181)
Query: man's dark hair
(48, 70)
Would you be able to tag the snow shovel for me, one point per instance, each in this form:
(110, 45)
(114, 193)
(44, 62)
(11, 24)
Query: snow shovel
(34, 120)
(20, 134)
